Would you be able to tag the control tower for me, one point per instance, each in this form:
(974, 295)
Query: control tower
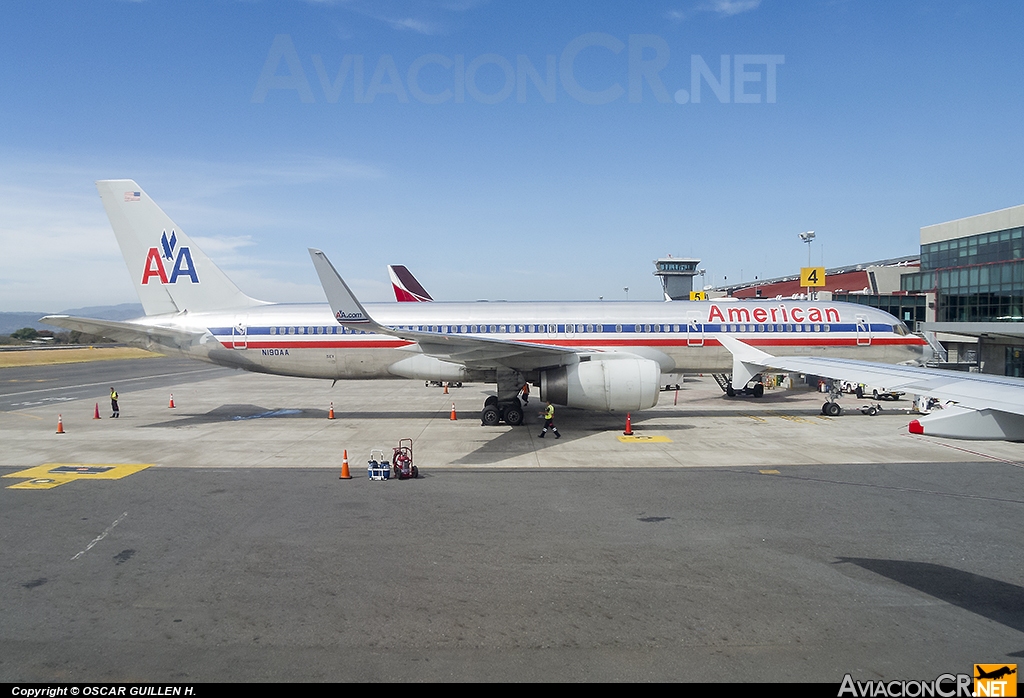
(677, 276)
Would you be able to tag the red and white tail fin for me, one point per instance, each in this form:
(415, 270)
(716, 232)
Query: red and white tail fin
(407, 288)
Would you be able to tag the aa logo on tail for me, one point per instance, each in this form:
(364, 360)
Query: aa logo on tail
(183, 265)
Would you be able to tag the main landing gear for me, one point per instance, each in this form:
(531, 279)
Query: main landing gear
(505, 406)
(833, 408)
(496, 412)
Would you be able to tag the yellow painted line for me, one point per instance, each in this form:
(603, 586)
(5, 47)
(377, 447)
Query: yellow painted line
(768, 472)
(645, 439)
(25, 414)
(794, 419)
(50, 475)
(759, 419)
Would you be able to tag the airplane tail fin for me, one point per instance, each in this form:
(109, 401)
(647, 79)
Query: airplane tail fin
(171, 274)
(407, 288)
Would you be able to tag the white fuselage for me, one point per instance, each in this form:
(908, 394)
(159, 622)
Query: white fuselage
(306, 340)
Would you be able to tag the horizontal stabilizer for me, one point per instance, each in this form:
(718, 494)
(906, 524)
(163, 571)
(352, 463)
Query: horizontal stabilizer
(146, 336)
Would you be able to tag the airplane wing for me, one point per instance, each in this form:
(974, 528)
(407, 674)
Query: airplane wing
(987, 407)
(147, 336)
(472, 352)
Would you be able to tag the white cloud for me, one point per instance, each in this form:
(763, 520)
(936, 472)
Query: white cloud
(423, 17)
(730, 7)
(58, 250)
(723, 8)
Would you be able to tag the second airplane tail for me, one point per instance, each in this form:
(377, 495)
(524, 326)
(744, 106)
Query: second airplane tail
(407, 288)
(171, 274)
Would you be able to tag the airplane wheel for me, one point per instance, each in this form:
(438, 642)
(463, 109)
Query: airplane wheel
(730, 392)
(513, 416)
(759, 390)
(490, 416)
(834, 409)
(824, 408)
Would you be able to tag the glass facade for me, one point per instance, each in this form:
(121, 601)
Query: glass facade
(909, 309)
(979, 278)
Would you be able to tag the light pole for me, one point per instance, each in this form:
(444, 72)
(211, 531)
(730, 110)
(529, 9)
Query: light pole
(808, 237)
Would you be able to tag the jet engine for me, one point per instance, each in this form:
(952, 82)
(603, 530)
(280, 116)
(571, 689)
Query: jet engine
(609, 385)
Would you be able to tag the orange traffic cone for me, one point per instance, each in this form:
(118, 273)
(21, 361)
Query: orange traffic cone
(446, 387)
(344, 467)
(96, 412)
(170, 405)
(60, 425)
(330, 413)
(453, 417)
(629, 426)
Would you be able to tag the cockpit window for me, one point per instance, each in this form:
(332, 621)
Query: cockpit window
(901, 329)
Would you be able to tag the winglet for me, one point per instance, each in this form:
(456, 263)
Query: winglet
(347, 309)
(746, 360)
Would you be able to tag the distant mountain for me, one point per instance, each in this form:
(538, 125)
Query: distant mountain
(11, 322)
(123, 311)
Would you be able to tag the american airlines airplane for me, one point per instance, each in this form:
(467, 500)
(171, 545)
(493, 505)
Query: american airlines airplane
(606, 355)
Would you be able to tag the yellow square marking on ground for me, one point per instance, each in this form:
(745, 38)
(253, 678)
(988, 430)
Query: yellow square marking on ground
(50, 475)
(645, 439)
(768, 472)
(40, 483)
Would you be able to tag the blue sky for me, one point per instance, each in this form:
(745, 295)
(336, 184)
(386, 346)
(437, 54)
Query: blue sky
(884, 117)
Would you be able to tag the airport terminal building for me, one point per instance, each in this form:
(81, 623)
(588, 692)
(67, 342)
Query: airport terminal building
(975, 268)
(967, 287)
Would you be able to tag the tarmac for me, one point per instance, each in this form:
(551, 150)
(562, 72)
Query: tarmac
(736, 540)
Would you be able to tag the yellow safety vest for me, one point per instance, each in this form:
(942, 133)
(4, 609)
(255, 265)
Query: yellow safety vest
(549, 412)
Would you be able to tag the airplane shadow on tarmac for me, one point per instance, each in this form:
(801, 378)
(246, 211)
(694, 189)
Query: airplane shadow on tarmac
(237, 413)
(989, 598)
(572, 425)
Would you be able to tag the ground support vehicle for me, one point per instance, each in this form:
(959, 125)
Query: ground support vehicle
(377, 468)
(401, 460)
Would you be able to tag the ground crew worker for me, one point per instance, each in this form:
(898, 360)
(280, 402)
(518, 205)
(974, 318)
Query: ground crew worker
(113, 403)
(549, 421)
(525, 392)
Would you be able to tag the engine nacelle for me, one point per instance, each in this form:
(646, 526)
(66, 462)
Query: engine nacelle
(608, 385)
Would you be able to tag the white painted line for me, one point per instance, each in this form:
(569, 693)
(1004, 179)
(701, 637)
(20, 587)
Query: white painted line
(126, 380)
(100, 537)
